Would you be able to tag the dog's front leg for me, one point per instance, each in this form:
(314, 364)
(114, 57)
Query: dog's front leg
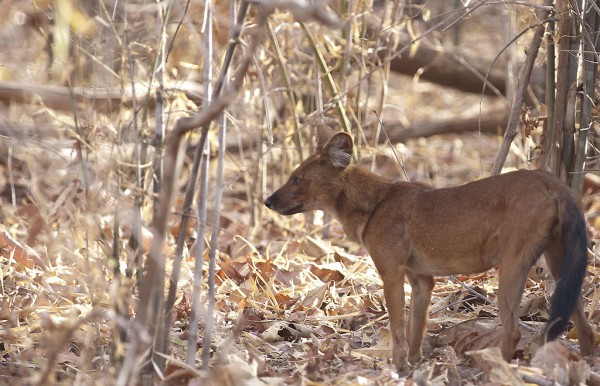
(420, 299)
(393, 290)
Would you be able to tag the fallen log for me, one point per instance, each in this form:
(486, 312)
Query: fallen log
(492, 121)
(103, 99)
(446, 68)
(440, 65)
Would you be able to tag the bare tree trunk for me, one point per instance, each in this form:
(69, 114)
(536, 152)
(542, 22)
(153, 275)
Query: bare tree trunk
(565, 77)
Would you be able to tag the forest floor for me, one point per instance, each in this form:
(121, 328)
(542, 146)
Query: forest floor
(293, 306)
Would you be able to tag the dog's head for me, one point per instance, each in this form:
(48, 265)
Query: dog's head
(314, 184)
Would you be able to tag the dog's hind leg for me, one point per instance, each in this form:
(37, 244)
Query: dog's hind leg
(422, 286)
(510, 290)
(393, 290)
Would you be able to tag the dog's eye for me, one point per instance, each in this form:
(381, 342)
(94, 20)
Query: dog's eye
(296, 180)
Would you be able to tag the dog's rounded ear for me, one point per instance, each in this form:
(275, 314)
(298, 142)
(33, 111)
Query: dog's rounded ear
(339, 149)
(324, 134)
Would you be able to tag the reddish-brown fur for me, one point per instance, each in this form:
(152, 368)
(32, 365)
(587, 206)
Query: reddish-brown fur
(417, 232)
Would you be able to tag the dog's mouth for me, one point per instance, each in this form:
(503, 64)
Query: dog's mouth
(297, 209)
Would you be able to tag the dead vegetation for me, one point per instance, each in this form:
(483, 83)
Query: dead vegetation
(104, 95)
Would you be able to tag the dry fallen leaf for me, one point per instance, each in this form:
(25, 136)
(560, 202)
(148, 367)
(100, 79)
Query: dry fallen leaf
(11, 248)
(495, 367)
(284, 331)
(560, 364)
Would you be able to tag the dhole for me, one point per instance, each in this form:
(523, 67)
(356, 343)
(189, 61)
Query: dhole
(414, 231)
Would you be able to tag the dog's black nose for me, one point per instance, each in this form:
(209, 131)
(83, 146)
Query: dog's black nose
(269, 202)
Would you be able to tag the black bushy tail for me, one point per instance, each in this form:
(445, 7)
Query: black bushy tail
(573, 269)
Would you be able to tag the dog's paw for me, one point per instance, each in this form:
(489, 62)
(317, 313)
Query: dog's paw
(400, 360)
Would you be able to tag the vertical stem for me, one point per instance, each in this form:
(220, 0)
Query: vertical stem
(164, 322)
(562, 85)
(509, 32)
(346, 9)
(197, 289)
(570, 107)
(550, 94)
(136, 236)
(590, 46)
(566, 75)
(208, 328)
(201, 157)
(159, 129)
(120, 284)
(119, 302)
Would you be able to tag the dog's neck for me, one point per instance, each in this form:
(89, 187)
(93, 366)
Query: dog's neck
(357, 195)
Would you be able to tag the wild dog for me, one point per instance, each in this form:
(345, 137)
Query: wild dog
(414, 231)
